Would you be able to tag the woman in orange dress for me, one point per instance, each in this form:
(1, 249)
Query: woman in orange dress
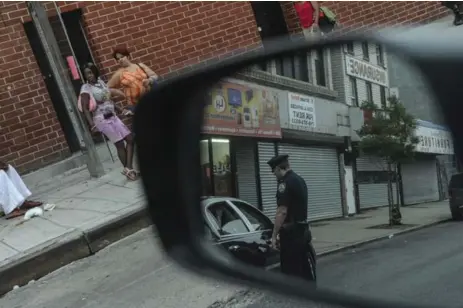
(134, 79)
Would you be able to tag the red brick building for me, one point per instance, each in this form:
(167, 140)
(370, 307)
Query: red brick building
(167, 36)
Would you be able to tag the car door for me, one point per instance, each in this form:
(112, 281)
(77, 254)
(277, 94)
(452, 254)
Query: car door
(261, 230)
(235, 234)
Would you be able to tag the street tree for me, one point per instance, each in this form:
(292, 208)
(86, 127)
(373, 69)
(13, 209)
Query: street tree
(389, 133)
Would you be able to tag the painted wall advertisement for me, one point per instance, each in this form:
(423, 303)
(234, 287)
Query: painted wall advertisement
(240, 110)
(301, 111)
(434, 141)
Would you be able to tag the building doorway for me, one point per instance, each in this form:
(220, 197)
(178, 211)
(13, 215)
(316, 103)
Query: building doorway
(218, 170)
(73, 24)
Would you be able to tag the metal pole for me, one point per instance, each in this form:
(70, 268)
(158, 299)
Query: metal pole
(58, 10)
(52, 51)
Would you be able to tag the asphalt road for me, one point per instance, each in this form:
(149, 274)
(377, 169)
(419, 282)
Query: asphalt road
(423, 267)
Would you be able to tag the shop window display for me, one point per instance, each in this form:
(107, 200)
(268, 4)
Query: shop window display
(217, 177)
(206, 168)
(223, 177)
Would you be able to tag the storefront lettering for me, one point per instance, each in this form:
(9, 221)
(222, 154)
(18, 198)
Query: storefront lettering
(302, 118)
(240, 131)
(301, 107)
(433, 141)
(366, 71)
(301, 111)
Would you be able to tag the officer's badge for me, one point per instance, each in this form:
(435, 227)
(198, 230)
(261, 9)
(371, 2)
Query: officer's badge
(281, 188)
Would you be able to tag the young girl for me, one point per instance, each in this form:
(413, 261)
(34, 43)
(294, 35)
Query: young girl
(102, 117)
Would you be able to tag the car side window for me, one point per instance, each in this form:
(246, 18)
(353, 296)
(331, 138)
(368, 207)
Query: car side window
(227, 219)
(258, 220)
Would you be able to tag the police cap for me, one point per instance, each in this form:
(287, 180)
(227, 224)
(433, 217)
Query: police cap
(276, 160)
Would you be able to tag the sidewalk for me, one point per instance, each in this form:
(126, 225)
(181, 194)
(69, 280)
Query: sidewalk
(90, 214)
(333, 235)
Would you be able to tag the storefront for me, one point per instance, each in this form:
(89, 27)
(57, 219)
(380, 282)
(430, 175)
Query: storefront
(423, 179)
(237, 116)
(372, 182)
(310, 140)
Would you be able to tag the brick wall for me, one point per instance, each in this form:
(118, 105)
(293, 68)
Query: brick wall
(358, 14)
(166, 36)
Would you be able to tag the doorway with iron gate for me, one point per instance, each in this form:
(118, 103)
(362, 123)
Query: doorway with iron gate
(79, 44)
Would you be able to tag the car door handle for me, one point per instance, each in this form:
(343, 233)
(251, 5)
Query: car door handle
(233, 248)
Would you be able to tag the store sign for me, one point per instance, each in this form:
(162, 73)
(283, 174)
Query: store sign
(301, 111)
(433, 140)
(366, 71)
(240, 110)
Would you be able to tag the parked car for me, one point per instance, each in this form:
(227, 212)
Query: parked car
(244, 231)
(456, 196)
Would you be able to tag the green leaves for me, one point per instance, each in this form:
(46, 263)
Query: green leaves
(388, 132)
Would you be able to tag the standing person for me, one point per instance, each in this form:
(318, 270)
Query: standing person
(100, 112)
(134, 79)
(455, 7)
(291, 221)
(14, 193)
(308, 13)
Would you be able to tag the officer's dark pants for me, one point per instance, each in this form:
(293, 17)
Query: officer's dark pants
(294, 251)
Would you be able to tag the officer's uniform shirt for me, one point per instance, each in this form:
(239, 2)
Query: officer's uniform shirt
(292, 193)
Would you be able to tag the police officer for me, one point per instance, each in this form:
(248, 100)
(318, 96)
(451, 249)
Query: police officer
(291, 220)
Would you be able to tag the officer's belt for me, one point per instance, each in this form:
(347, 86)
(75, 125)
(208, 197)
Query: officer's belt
(291, 224)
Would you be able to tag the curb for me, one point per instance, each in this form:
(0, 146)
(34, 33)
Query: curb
(72, 247)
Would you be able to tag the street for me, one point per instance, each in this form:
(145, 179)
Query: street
(422, 267)
(131, 273)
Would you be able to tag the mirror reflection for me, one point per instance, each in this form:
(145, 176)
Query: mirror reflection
(334, 165)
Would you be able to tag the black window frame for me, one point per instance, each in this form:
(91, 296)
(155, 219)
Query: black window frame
(383, 97)
(294, 67)
(320, 68)
(380, 55)
(365, 51)
(354, 87)
(369, 90)
(350, 48)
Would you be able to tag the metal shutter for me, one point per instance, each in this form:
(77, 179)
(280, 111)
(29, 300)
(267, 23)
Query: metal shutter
(246, 172)
(420, 182)
(373, 195)
(319, 167)
(268, 182)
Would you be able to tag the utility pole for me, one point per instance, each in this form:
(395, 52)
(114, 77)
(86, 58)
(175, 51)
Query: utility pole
(52, 51)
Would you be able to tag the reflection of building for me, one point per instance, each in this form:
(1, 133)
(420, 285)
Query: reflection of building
(299, 123)
(426, 178)
(363, 77)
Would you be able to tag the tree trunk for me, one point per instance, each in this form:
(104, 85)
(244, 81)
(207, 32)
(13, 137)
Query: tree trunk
(396, 215)
(390, 198)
